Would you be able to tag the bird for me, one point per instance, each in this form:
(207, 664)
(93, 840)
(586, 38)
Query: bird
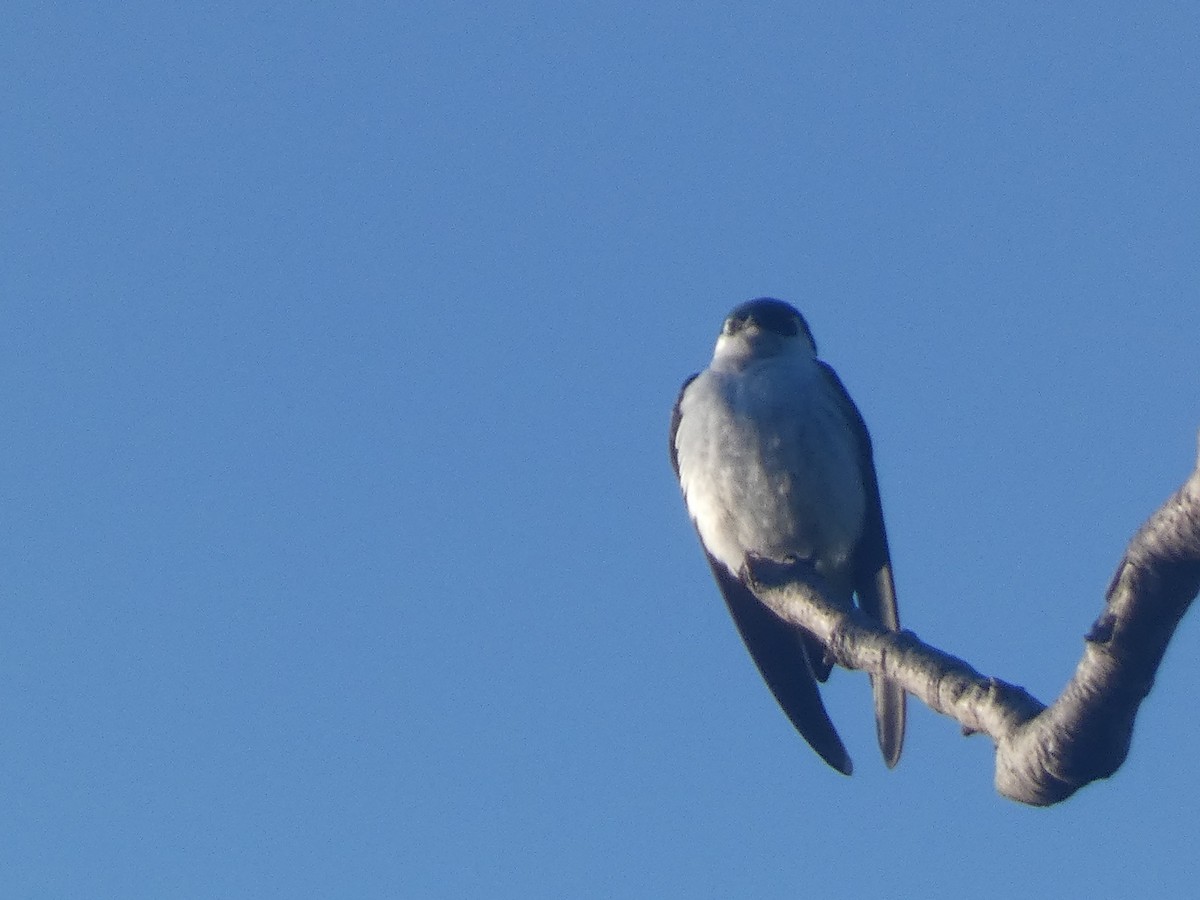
(774, 460)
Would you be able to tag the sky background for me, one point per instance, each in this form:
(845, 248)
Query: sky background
(342, 556)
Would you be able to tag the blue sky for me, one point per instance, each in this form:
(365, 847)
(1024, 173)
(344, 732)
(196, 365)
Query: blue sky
(338, 347)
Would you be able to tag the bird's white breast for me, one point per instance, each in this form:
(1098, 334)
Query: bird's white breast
(769, 464)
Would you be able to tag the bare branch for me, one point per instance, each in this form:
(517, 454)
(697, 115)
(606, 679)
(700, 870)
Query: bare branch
(1043, 754)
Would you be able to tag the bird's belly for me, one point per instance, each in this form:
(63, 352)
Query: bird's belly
(776, 484)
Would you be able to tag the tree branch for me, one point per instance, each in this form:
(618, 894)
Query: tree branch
(1043, 754)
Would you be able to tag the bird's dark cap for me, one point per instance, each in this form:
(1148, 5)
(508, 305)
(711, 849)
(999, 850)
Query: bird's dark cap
(771, 315)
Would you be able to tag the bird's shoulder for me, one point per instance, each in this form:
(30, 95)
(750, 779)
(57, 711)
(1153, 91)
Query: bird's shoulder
(676, 418)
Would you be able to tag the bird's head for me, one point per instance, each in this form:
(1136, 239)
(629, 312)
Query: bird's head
(763, 328)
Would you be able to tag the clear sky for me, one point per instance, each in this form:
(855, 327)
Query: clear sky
(342, 556)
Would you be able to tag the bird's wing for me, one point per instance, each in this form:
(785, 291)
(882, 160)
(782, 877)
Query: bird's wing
(777, 648)
(676, 415)
(873, 582)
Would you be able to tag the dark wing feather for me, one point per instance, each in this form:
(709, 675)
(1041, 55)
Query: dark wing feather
(873, 584)
(676, 415)
(778, 649)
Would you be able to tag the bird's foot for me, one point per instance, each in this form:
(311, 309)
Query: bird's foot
(758, 569)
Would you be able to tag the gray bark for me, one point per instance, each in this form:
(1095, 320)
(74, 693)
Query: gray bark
(1043, 753)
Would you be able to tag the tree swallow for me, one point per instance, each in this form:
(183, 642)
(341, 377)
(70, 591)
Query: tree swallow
(774, 460)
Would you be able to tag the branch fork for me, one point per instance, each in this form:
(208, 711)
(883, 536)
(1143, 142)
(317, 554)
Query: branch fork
(1044, 754)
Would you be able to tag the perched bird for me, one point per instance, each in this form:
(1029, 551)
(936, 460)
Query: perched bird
(774, 460)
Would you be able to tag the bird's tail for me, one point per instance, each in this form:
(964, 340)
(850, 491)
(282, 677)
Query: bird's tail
(889, 718)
